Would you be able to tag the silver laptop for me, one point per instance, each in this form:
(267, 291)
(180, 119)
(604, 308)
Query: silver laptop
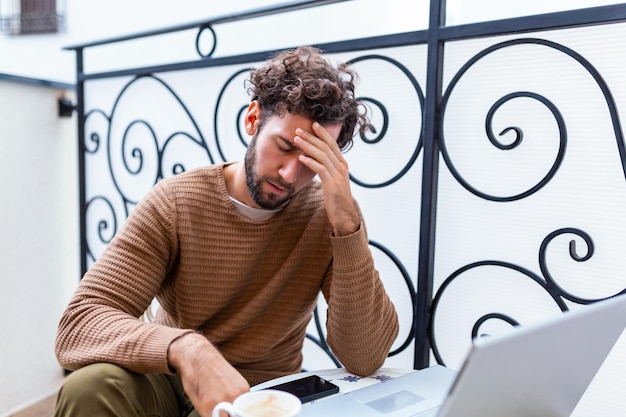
(541, 369)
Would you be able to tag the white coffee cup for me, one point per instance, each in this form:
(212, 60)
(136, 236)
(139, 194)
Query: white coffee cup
(262, 403)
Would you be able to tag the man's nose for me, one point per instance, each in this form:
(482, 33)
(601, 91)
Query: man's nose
(290, 170)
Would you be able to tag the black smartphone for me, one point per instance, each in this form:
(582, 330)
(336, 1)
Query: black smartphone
(308, 388)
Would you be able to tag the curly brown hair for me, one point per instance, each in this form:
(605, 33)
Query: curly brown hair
(302, 82)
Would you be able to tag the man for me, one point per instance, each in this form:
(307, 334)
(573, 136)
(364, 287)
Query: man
(236, 254)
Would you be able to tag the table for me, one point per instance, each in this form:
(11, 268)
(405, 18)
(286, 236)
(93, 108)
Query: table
(343, 379)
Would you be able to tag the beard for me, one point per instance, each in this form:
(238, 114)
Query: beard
(268, 201)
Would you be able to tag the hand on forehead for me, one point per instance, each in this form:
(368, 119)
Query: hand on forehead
(320, 129)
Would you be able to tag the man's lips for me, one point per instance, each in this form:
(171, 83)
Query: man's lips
(277, 189)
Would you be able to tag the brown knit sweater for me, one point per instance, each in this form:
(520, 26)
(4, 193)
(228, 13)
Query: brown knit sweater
(249, 287)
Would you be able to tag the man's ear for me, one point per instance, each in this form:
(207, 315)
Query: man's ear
(253, 118)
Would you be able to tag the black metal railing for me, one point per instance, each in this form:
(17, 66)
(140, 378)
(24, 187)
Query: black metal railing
(107, 135)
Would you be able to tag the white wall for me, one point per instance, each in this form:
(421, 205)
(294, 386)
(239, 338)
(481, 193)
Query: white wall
(94, 20)
(42, 56)
(38, 237)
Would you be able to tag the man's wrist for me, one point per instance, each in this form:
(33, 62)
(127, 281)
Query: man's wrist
(346, 230)
(182, 346)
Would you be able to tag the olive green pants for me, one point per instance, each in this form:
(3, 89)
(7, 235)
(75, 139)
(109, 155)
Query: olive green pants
(103, 389)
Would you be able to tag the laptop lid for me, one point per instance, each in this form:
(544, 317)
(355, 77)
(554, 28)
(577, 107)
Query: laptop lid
(541, 369)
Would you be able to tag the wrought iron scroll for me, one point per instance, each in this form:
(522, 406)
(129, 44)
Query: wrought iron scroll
(546, 281)
(619, 136)
(381, 132)
(133, 160)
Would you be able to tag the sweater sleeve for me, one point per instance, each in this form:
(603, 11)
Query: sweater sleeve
(100, 323)
(361, 322)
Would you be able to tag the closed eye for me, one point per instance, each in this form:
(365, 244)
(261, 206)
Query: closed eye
(285, 146)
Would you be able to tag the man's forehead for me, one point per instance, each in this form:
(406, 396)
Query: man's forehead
(293, 121)
(333, 128)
